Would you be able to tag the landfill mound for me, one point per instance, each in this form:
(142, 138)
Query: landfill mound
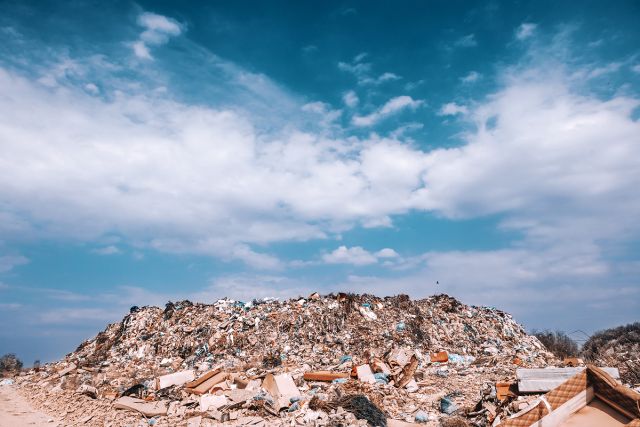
(317, 331)
(340, 359)
(617, 347)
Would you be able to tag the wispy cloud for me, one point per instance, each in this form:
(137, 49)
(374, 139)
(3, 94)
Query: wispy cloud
(525, 30)
(158, 30)
(393, 106)
(9, 262)
(466, 41)
(362, 71)
(357, 255)
(107, 250)
(350, 99)
(472, 77)
(453, 109)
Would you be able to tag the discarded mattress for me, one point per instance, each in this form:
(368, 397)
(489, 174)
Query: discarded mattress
(590, 398)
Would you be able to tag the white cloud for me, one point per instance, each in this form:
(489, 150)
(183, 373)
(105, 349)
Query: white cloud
(472, 77)
(452, 109)
(358, 69)
(92, 88)
(324, 110)
(466, 41)
(159, 24)
(525, 30)
(394, 105)
(158, 30)
(9, 262)
(107, 250)
(359, 256)
(362, 71)
(382, 222)
(384, 77)
(636, 68)
(603, 70)
(544, 159)
(350, 99)
(355, 255)
(141, 50)
(386, 253)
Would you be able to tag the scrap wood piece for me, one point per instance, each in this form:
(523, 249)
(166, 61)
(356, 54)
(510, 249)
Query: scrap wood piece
(202, 378)
(407, 372)
(441, 356)
(505, 389)
(176, 378)
(208, 384)
(545, 379)
(148, 409)
(324, 375)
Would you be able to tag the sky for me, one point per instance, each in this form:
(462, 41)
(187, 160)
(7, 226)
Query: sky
(157, 151)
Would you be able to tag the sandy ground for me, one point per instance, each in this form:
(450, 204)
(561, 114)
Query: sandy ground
(15, 411)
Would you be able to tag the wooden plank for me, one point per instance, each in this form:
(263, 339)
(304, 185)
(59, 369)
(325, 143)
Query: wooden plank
(545, 379)
(202, 379)
(324, 375)
(206, 385)
(564, 411)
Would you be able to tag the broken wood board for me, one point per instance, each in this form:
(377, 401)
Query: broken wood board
(148, 409)
(202, 378)
(545, 379)
(208, 384)
(324, 375)
(177, 378)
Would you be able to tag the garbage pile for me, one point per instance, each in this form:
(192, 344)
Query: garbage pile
(340, 359)
(617, 347)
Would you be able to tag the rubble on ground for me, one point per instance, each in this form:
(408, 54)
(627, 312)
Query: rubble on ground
(323, 360)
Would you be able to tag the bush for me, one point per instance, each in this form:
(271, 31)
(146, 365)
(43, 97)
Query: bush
(558, 343)
(10, 363)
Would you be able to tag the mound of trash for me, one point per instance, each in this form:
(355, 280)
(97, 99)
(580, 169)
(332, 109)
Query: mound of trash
(617, 347)
(340, 359)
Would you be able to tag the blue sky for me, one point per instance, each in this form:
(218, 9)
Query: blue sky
(152, 151)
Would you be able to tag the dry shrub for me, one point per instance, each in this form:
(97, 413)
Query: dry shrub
(558, 343)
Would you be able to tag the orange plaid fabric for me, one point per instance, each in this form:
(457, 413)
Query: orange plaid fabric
(556, 397)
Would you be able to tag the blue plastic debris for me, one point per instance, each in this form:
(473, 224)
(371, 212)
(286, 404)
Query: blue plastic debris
(458, 359)
(381, 378)
(294, 399)
(447, 406)
(400, 327)
(366, 304)
(339, 380)
(152, 421)
(346, 358)
(421, 417)
(294, 407)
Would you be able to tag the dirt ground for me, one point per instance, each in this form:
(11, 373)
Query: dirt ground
(15, 411)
